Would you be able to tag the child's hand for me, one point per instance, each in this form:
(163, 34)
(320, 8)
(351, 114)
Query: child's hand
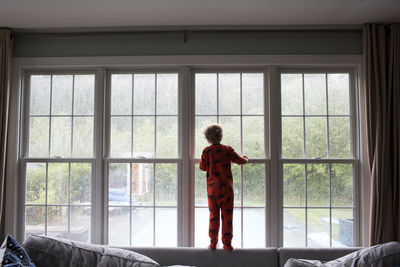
(246, 158)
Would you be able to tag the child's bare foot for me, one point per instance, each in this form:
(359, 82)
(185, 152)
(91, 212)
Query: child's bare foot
(228, 247)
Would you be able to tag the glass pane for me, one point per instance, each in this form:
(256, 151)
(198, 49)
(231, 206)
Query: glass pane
(316, 143)
(121, 137)
(142, 184)
(315, 94)
(339, 137)
(206, 93)
(342, 185)
(253, 136)
(143, 137)
(166, 233)
(40, 95)
(142, 227)
(294, 227)
(254, 185)
(166, 184)
(342, 228)
(229, 93)
(318, 227)
(57, 221)
(237, 184)
(339, 93)
(35, 183)
(118, 226)
(34, 220)
(144, 94)
(39, 137)
(292, 94)
(318, 185)
(118, 184)
(294, 187)
(81, 181)
(231, 131)
(201, 124)
(252, 93)
(237, 229)
(84, 95)
(254, 228)
(60, 137)
(201, 238)
(83, 137)
(57, 188)
(200, 198)
(292, 138)
(62, 95)
(80, 223)
(121, 94)
(167, 137)
(167, 94)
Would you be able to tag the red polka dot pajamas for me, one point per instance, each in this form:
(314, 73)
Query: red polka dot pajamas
(216, 161)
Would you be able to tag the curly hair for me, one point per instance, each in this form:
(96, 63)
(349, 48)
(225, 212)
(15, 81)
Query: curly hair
(213, 134)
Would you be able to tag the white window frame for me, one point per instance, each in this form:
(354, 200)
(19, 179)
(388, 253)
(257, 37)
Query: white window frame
(186, 200)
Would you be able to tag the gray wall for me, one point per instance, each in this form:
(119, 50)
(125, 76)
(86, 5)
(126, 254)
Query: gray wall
(300, 42)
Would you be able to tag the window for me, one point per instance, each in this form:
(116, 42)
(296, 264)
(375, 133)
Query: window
(111, 155)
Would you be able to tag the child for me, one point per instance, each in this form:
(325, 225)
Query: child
(216, 160)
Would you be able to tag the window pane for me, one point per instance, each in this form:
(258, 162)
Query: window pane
(201, 238)
(200, 187)
(237, 184)
(167, 94)
(206, 93)
(339, 93)
(316, 143)
(35, 183)
(342, 228)
(254, 228)
(118, 184)
(143, 137)
(342, 185)
(201, 142)
(231, 131)
(142, 227)
(57, 188)
(38, 137)
(254, 185)
(318, 185)
(167, 137)
(252, 93)
(229, 93)
(118, 226)
(294, 186)
(121, 94)
(60, 137)
(121, 137)
(142, 184)
(80, 223)
(40, 95)
(315, 94)
(339, 137)
(81, 177)
(84, 95)
(253, 136)
(292, 138)
(237, 228)
(292, 94)
(294, 228)
(34, 220)
(144, 94)
(57, 221)
(83, 137)
(166, 227)
(318, 227)
(166, 184)
(62, 95)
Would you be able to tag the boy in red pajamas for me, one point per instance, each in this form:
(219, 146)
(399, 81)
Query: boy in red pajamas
(216, 160)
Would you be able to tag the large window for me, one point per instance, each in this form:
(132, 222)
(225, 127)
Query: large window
(112, 155)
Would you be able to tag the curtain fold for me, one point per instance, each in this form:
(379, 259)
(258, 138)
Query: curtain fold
(6, 47)
(381, 55)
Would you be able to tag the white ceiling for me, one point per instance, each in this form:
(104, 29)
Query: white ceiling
(30, 14)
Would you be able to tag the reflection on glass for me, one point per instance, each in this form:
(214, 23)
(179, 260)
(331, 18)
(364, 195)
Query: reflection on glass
(142, 184)
(318, 228)
(292, 137)
(206, 93)
(294, 186)
(142, 227)
(80, 223)
(294, 228)
(57, 221)
(166, 227)
(254, 228)
(118, 226)
(118, 184)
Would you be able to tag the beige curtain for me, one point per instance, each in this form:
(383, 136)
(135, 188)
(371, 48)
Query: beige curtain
(382, 103)
(6, 47)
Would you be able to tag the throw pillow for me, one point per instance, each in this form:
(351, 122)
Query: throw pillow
(12, 254)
